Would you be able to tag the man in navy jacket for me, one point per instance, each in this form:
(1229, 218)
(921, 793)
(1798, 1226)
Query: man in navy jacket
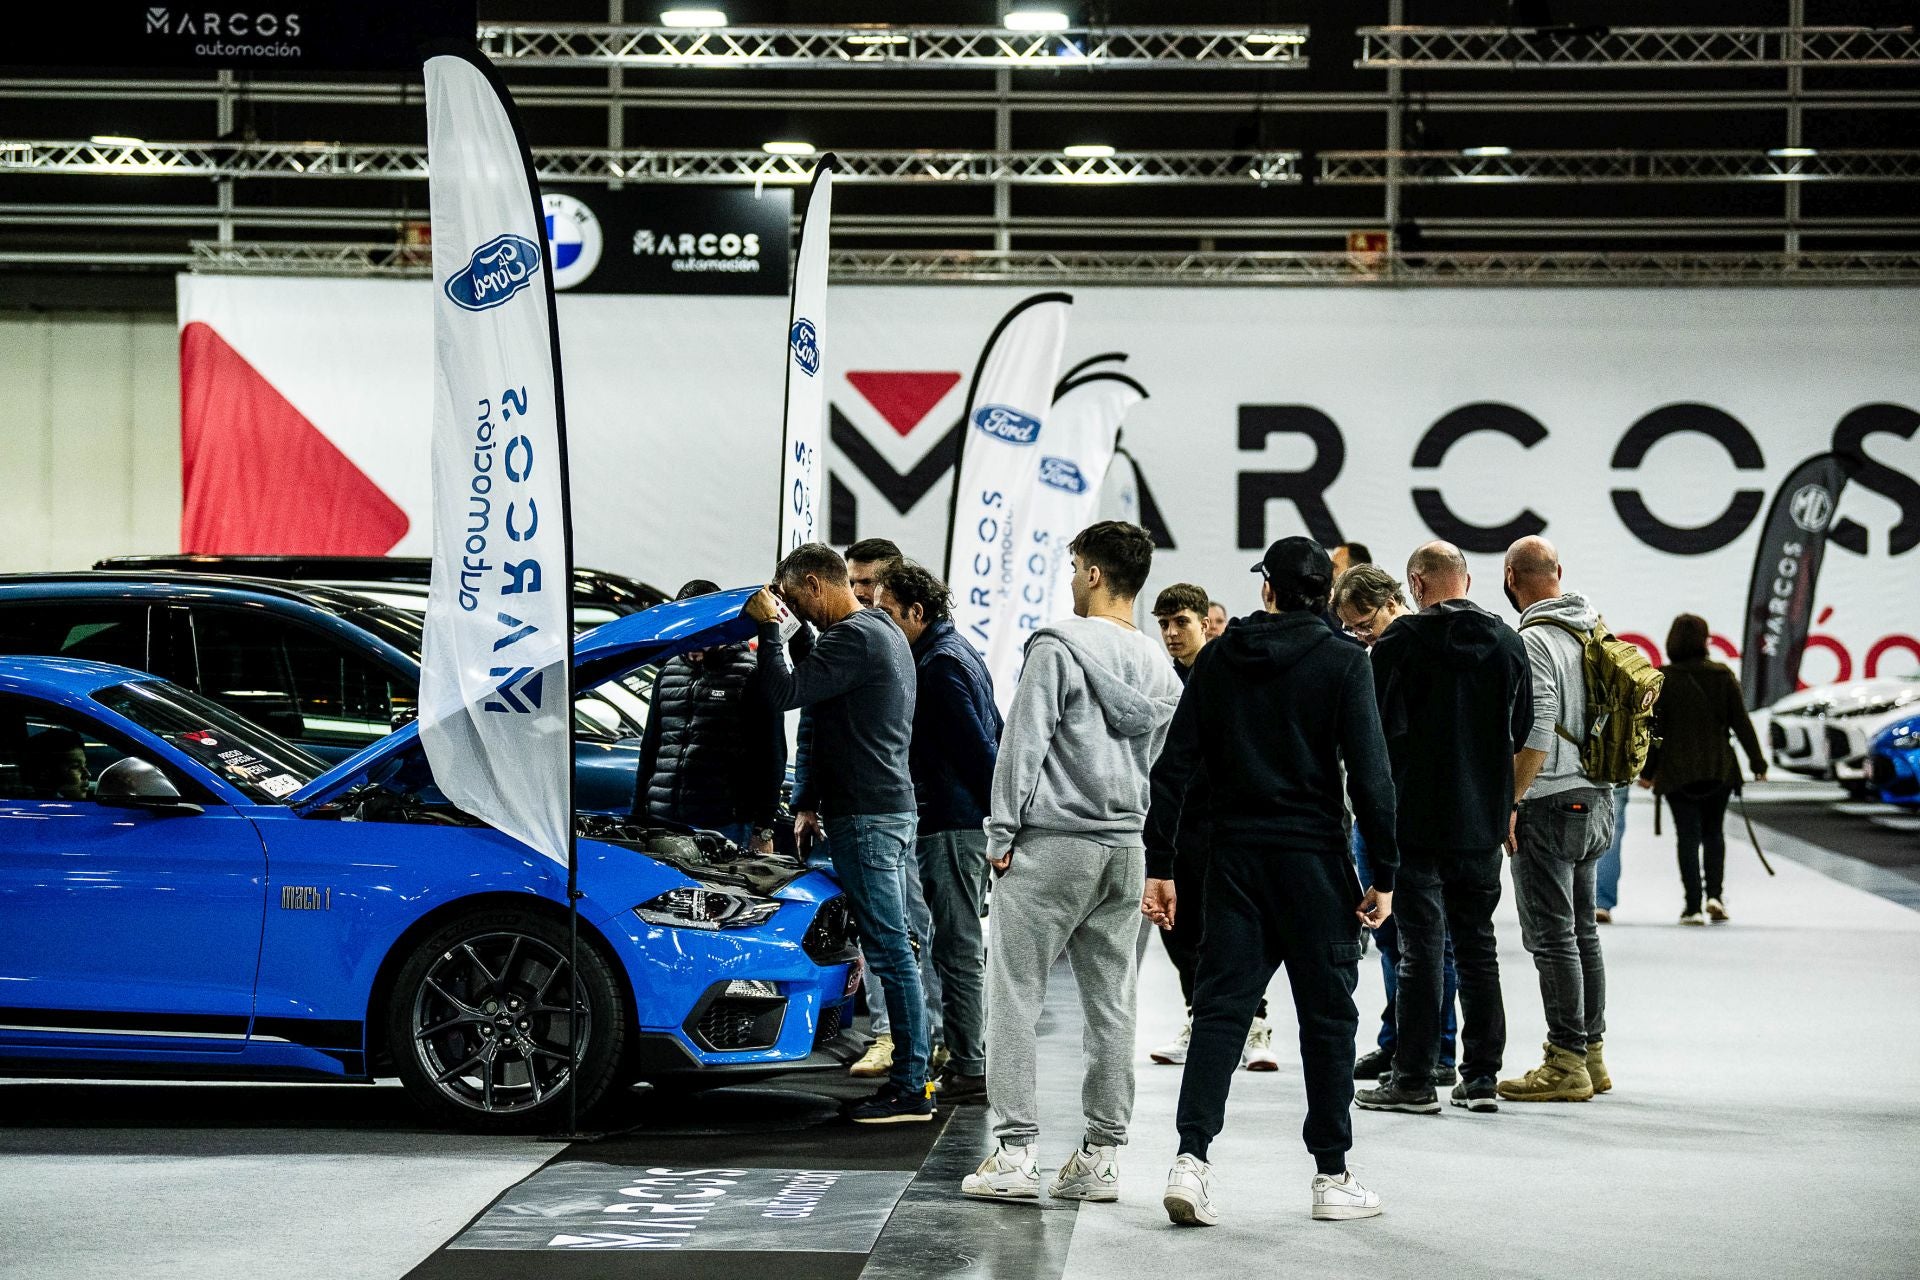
(956, 737)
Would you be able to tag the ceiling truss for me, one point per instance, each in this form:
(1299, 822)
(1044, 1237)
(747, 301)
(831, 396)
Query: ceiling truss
(1633, 48)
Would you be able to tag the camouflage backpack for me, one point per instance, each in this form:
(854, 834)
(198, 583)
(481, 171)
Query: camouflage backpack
(1622, 685)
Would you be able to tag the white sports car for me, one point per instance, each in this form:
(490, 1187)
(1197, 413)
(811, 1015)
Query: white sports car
(1823, 732)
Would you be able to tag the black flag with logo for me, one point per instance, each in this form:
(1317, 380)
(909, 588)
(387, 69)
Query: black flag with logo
(1785, 571)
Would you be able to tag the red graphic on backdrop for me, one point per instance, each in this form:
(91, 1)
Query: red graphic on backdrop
(903, 399)
(259, 478)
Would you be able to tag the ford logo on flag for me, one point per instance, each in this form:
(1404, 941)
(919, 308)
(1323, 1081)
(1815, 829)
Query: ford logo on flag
(500, 268)
(1063, 474)
(1002, 423)
(805, 342)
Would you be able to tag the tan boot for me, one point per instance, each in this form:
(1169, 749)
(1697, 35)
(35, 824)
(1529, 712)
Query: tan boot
(1597, 1066)
(1561, 1078)
(878, 1060)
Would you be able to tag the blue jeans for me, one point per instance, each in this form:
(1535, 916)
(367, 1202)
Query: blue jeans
(1387, 939)
(1608, 893)
(920, 925)
(870, 857)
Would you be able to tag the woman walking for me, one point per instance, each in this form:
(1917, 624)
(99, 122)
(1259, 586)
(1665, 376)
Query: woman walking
(1694, 769)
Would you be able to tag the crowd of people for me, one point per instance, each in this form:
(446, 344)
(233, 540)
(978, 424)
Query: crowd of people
(1357, 758)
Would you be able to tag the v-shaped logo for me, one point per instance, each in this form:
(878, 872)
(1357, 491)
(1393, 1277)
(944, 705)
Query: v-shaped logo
(904, 399)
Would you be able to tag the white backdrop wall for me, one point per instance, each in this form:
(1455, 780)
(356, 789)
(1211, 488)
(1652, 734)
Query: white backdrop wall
(674, 412)
(90, 438)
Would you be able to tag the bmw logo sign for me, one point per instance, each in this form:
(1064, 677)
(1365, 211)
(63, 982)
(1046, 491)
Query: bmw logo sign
(573, 239)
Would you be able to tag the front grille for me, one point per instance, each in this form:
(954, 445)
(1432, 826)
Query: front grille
(829, 1027)
(732, 1023)
(1776, 736)
(830, 937)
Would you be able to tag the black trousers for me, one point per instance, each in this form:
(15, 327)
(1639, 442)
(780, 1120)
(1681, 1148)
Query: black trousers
(1188, 935)
(1442, 893)
(1699, 821)
(1269, 908)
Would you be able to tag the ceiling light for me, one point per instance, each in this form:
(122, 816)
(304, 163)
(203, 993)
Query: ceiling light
(1486, 151)
(1036, 20)
(1792, 153)
(880, 36)
(693, 18)
(116, 140)
(1275, 37)
(1088, 151)
(787, 148)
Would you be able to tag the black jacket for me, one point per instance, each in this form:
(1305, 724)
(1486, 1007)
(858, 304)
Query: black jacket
(713, 754)
(1456, 703)
(956, 732)
(1271, 710)
(1699, 706)
(1196, 823)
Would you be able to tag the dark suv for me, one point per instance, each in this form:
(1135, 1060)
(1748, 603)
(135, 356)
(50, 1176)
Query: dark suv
(322, 667)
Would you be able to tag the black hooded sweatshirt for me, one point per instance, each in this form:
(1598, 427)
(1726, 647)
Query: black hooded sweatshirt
(1456, 702)
(1270, 710)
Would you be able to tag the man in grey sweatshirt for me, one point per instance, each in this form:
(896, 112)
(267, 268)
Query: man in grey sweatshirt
(1562, 823)
(1068, 809)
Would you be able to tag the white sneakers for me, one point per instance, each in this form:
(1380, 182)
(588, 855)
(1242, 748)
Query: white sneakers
(1341, 1198)
(1013, 1173)
(1189, 1195)
(1174, 1052)
(1258, 1054)
(1010, 1173)
(1090, 1173)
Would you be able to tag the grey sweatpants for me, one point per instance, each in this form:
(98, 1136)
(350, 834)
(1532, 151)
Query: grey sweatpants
(1064, 895)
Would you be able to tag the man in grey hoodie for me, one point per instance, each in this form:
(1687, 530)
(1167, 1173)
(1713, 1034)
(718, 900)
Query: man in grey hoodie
(1068, 807)
(1562, 823)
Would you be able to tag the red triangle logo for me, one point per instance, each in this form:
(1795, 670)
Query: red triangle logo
(259, 478)
(903, 399)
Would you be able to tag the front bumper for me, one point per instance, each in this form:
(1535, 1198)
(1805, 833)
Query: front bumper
(1896, 776)
(659, 1056)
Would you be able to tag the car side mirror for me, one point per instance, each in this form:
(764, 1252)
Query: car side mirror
(134, 783)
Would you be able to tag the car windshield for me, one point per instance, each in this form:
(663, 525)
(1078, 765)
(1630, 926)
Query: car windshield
(267, 769)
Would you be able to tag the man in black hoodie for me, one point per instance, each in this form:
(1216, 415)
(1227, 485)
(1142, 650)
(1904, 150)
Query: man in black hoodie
(1271, 710)
(1456, 703)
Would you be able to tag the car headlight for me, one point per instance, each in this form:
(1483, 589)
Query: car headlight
(1906, 742)
(700, 907)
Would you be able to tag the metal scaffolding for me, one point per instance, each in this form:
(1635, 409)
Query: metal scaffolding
(602, 164)
(1442, 168)
(1039, 267)
(1634, 48)
(875, 45)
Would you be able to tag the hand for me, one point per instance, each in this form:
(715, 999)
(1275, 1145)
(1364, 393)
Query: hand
(1158, 903)
(1375, 908)
(762, 607)
(806, 829)
(1513, 833)
(1002, 862)
(759, 845)
(1759, 775)
(1647, 783)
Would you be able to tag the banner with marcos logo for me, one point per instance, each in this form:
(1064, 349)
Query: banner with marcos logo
(1642, 430)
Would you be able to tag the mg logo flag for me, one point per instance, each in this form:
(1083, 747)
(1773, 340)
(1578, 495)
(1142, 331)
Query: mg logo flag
(495, 670)
(800, 452)
(1003, 442)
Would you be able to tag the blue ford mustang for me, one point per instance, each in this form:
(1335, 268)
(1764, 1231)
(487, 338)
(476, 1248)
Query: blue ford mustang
(184, 894)
(1893, 761)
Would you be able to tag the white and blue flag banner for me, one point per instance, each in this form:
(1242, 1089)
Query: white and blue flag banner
(801, 458)
(1083, 430)
(1001, 453)
(495, 710)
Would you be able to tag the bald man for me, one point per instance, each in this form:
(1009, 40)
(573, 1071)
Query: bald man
(1456, 702)
(1561, 826)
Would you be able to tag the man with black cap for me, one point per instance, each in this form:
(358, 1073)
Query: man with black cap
(1271, 710)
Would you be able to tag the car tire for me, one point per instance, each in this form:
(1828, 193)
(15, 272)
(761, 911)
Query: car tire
(479, 1026)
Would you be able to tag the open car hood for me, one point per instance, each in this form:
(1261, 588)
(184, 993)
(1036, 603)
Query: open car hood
(605, 653)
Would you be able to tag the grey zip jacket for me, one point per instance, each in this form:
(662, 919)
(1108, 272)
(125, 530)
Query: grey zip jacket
(1088, 719)
(1559, 690)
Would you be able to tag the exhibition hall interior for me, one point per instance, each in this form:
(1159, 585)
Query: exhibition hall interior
(967, 640)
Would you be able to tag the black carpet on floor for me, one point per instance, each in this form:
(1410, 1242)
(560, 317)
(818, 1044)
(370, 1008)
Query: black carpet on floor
(761, 1181)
